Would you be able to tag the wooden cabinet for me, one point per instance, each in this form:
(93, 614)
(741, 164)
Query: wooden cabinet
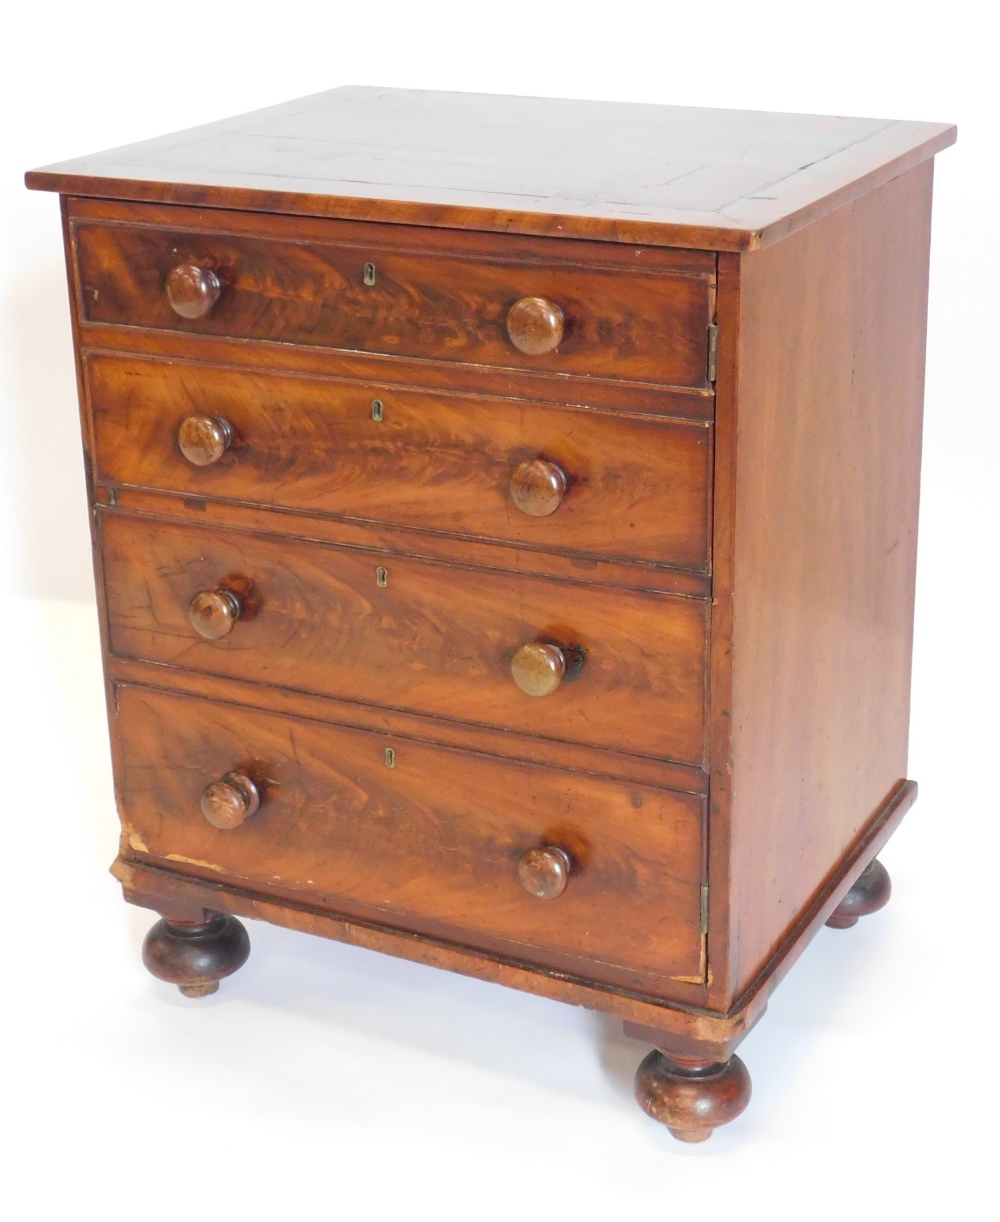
(509, 563)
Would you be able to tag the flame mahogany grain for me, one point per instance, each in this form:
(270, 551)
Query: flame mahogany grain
(638, 488)
(436, 639)
(641, 325)
(432, 843)
(657, 406)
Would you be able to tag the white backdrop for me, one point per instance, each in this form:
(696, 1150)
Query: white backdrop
(327, 1080)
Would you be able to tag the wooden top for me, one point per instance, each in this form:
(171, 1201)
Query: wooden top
(655, 175)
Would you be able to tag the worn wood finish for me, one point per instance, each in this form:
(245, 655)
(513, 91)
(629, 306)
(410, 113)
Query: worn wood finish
(620, 172)
(639, 325)
(196, 955)
(544, 872)
(192, 291)
(617, 765)
(152, 886)
(407, 467)
(681, 1028)
(230, 801)
(435, 639)
(537, 487)
(535, 325)
(823, 575)
(213, 614)
(203, 440)
(432, 545)
(692, 1096)
(431, 842)
(456, 463)
(380, 373)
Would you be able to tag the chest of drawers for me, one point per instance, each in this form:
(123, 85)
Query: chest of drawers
(504, 523)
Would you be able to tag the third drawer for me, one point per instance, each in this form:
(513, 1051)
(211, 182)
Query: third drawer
(414, 634)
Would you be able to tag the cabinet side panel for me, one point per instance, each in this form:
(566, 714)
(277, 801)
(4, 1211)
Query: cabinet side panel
(831, 366)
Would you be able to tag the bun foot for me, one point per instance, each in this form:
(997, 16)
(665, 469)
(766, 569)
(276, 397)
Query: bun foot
(870, 893)
(692, 1097)
(196, 956)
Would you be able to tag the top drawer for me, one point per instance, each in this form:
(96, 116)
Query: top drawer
(591, 309)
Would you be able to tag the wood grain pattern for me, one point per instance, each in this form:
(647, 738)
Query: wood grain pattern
(497, 556)
(633, 324)
(400, 373)
(825, 556)
(437, 461)
(437, 639)
(353, 756)
(616, 765)
(433, 842)
(620, 172)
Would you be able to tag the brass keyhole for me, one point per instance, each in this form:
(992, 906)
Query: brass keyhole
(369, 276)
(376, 409)
(381, 576)
(390, 758)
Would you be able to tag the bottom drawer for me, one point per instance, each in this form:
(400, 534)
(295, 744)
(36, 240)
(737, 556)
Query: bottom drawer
(419, 836)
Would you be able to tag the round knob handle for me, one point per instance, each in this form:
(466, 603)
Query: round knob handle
(230, 801)
(192, 290)
(204, 439)
(535, 325)
(538, 668)
(213, 613)
(537, 487)
(544, 872)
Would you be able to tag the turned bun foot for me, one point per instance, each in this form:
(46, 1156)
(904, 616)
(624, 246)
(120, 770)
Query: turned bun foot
(196, 956)
(692, 1097)
(870, 893)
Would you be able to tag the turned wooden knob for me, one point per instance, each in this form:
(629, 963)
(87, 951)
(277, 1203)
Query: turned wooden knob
(544, 872)
(228, 802)
(192, 290)
(535, 325)
(537, 487)
(538, 668)
(204, 439)
(213, 613)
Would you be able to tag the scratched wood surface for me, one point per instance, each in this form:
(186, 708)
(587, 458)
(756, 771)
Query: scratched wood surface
(432, 842)
(636, 488)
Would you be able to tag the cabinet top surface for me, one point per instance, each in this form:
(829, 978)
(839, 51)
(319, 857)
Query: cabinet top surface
(614, 171)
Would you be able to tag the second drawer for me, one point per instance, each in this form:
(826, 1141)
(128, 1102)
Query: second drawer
(610, 668)
(563, 478)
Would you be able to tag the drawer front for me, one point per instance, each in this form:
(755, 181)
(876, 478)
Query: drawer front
(411, 634)
(634, 489)
(616, 322)
(432, 843)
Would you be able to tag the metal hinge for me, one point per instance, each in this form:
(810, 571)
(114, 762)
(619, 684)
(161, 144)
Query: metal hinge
(703, 915)
(713, 351)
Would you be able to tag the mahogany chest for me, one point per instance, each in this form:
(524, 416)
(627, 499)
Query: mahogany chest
(504, 517)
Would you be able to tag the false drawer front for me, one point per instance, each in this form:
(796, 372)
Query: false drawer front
(419, 836)
(607, 667)
(600, 484)
(505, 306)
